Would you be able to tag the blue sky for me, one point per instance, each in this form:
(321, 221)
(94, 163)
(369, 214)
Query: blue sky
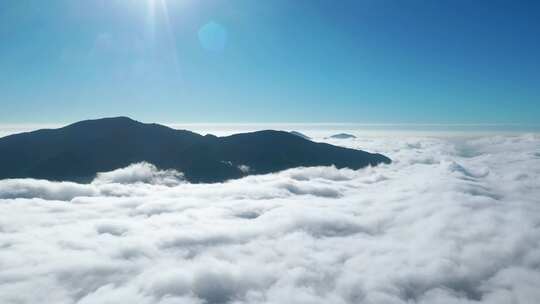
(365, 61)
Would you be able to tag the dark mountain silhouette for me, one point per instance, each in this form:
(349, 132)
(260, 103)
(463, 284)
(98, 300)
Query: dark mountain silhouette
(304, 136)
(78, 151)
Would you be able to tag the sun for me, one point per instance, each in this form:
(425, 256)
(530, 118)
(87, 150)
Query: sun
(157, 9)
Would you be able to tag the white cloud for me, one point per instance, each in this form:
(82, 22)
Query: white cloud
(244, 168)
(140, 173)
(452, 220)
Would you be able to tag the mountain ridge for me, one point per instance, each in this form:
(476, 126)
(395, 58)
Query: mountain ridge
(78, 151)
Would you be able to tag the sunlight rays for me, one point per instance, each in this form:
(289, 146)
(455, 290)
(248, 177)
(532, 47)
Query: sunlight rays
(160, 30)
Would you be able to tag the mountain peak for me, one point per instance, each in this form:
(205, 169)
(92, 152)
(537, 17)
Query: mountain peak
(119, 120)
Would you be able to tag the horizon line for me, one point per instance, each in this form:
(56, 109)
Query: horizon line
(53, 124)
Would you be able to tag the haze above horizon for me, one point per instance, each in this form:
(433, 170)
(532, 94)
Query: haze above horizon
(316, 129)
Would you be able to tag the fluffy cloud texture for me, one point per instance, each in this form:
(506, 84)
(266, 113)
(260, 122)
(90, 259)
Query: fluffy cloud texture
(452, 220)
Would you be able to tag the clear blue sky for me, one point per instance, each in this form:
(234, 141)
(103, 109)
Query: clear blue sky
(366, 61)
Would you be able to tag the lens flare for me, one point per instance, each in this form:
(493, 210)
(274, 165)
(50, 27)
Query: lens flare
(213, 36)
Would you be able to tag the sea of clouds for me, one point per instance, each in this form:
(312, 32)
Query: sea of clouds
(454, 219)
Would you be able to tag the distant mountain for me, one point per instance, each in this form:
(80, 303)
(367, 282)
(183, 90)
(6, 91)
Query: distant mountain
(342, 136)
(78, 151)
(300, 134)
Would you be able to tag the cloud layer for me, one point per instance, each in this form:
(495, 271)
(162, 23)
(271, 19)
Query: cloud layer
(452, 220)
